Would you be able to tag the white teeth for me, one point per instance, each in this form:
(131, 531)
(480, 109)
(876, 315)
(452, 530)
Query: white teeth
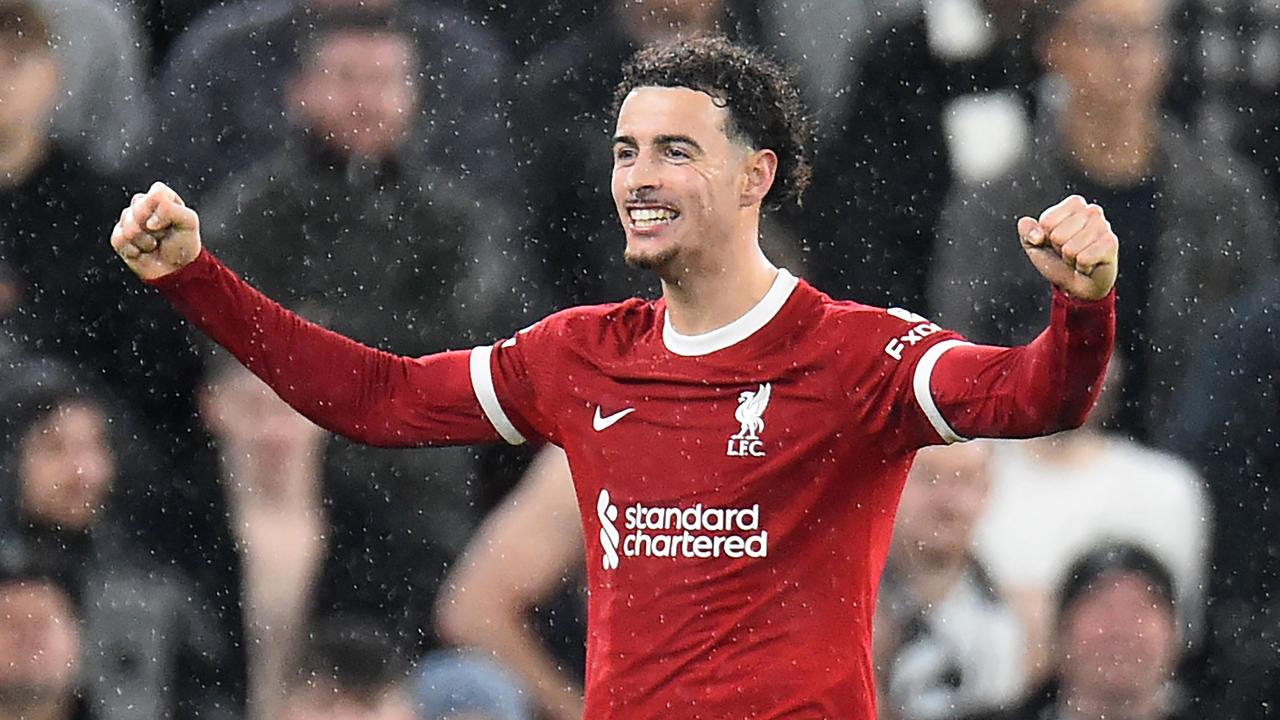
(649, 217)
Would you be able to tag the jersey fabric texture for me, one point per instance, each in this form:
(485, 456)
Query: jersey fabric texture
(737, 488)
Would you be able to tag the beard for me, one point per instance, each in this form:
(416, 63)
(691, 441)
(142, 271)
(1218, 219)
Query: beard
(658, 261)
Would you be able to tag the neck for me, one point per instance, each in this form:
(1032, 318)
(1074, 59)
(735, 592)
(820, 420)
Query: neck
(931, 575)
(700, 300)
(1111, 147)
(1078, 703)
(21, 152)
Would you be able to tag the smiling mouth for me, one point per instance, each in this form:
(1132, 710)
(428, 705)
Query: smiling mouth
(643, 218)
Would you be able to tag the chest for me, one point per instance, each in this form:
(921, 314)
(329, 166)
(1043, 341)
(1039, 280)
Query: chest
(713, 434)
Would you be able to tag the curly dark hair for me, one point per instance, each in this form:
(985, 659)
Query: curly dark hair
(765, 108)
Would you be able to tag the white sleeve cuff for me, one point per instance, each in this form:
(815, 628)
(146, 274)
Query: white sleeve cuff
(924, 394)
(482, 383)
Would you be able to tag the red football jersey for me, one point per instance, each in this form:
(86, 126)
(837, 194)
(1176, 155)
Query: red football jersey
(737, 488)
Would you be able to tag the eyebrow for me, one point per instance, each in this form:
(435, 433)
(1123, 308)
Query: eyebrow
(659, 140)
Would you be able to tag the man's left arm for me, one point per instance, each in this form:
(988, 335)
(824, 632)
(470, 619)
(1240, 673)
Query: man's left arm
(1050, 384)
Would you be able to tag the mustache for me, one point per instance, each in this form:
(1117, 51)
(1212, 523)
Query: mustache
(647, 198)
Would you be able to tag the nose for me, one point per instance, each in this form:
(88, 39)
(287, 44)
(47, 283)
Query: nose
(643, 174)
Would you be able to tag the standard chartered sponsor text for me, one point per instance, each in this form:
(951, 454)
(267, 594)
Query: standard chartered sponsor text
(694, 532)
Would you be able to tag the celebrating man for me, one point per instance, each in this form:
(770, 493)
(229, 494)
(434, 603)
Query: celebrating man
(739, 445)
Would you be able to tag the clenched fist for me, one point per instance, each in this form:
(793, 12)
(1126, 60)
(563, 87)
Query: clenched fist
(1073, 246)
(157, 234)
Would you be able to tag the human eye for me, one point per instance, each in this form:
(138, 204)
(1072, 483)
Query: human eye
(676, 152)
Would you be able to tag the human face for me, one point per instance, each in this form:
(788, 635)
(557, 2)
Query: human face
(250, 420)
(39, 643)
(66, 467)
(943, 499)
(1112, 53)
(1119, 641)
(678, 179)
(29, 83)
(358, 93)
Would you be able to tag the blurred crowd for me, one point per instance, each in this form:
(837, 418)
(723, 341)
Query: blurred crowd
(176, 543)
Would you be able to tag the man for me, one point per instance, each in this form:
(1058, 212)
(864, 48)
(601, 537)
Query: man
(40, 647)
(221, 102)
(903, 139)
(572, 226)
(1117, 644)
(948, 642)
(347, 670)
(1055, 498)
(70, 496)
(1103, 136)
(344, 173)
(748, 434)
(52, 202)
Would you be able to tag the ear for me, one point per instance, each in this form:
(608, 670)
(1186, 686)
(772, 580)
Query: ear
(761, 169)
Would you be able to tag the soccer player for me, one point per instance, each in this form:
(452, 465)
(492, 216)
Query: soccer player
(739, 445)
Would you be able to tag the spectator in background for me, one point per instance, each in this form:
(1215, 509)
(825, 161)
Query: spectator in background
(341, 223)
(312, 549)
(53, 208)
(565, 106)
(502, 576)
(1226, 423)
(393, 253)
(1117, 642)
(1054, 498)
(69, 464)
(40, 646)
(941, 97)
(948, 644)
(349, 671)
(222, 101)
(531, 27)
(272, 470)
(103, 111)
(1104, 138)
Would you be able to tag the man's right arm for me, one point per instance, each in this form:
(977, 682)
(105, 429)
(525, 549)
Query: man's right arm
(368, 395)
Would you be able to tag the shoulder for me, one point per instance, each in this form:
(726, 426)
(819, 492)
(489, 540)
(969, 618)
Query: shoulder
(1207, 176)
(853, 316)
(866, 331)
(590, 326)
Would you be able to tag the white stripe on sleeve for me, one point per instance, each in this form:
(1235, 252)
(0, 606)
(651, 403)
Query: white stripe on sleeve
(924, 395)
(482, 383)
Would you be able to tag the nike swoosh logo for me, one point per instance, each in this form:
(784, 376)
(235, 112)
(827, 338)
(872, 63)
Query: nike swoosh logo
(604, 423)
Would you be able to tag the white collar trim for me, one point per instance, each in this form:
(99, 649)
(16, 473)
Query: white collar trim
(738, 330)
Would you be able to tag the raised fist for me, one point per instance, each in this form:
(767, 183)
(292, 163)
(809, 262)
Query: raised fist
(157, 234)
(1073, 246)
